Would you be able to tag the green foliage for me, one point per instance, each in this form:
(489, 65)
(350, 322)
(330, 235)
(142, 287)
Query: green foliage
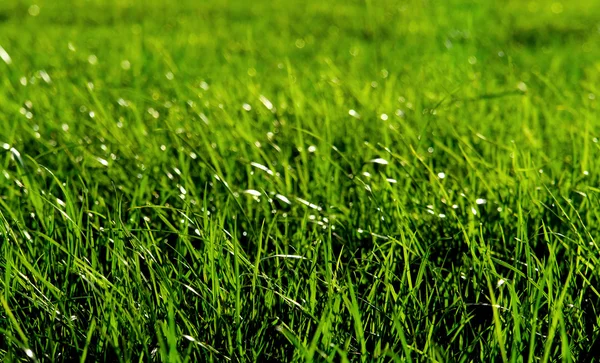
(230, 180)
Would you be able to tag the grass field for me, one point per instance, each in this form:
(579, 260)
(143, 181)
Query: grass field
(360, 181)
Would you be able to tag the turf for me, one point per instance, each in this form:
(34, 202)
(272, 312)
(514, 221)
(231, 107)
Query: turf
(191, 181)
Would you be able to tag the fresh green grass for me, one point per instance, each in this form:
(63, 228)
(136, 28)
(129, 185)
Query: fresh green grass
(191, 181)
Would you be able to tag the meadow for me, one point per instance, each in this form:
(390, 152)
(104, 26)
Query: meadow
(345, 181)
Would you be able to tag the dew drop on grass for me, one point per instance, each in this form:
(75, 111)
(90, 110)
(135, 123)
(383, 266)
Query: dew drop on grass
(122, 102)
(480, 201)
(102, 161)
(71, 47)
(474, 211)
(253, 192)
(246, 107)
(353, 113)
(17, 155)
(262, 167)
(283, 198)
(265, 101)
(379, 161)
(5, 57)
(312, 149)
(34, 10)
(308, 204)
(44, 75)
(125, 64)
(384, 117)
(441, 175)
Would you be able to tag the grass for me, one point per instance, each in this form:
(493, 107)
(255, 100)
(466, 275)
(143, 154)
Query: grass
(299, 181)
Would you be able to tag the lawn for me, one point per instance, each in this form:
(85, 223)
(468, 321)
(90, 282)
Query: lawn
(347, 181)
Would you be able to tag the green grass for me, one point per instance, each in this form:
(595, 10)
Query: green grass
(367, 181)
